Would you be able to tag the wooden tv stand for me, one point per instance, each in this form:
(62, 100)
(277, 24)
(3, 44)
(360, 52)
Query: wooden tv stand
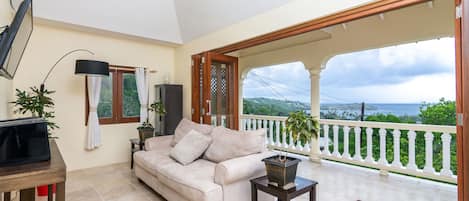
(26, 178)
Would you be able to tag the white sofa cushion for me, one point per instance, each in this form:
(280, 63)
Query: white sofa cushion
(153, 161)
(185, 126)
(228, 144)
(242, 168)
(191, 147)
(194, 182)
(161, 143)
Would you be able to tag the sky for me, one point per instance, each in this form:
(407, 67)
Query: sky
(409, 73)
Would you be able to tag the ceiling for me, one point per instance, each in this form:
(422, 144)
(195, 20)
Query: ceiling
(174, 21)
(309, 37)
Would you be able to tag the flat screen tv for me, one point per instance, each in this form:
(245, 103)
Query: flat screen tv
(14, 38)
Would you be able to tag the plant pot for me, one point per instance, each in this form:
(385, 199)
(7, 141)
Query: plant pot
(145, 133)
(281, 173)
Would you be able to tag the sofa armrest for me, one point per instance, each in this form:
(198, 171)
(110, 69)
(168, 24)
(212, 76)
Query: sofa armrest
(242, 168)
(158, 143)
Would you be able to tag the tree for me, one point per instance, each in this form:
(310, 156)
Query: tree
(441, 113)
(383, 118)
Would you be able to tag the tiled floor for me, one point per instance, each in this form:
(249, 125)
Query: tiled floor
(115, 182)
(337, 182)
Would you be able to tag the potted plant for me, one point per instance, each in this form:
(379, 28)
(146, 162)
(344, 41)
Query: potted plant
(36, 102)
(146, 130)
(281, 169)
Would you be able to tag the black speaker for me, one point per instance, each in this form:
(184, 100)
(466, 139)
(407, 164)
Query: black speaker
(171, 97)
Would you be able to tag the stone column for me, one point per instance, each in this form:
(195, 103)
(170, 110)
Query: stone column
(314, 75)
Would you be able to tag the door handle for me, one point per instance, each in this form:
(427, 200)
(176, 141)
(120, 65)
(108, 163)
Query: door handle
(209, 108)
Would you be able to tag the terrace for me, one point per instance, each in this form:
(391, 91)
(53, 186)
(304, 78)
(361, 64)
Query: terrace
(381, 151)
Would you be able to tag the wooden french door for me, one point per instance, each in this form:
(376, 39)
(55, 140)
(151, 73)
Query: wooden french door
(215, 89)
(462, 96)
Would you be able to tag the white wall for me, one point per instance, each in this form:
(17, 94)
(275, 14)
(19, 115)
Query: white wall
(48, 43)
(294, 12)
(5, 85)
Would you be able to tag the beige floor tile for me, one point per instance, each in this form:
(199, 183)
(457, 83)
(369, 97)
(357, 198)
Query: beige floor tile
(337, 182)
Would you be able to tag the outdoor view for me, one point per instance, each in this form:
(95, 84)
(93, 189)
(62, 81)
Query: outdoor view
(411, 83)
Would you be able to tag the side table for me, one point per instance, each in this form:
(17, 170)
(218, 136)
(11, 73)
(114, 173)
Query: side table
(302, 186)
(140, 146)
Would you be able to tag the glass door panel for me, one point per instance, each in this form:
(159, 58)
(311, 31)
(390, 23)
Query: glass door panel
(215, 90)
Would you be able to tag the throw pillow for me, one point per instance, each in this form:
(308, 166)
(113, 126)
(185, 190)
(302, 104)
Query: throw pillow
(191, 147)
(228, 144)
(185, 126)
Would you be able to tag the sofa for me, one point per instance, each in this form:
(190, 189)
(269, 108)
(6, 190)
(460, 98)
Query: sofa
(201, 180)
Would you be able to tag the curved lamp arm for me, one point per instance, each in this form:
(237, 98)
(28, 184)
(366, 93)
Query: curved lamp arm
(61, 58)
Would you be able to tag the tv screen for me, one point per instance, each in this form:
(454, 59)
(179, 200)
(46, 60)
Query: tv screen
(14, 39)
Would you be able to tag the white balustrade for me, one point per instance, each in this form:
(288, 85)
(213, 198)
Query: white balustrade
(397, 148)
(358, 154)
(446, 171)
(271, 132)
(346, 154)
(278, 139)
(369, 146)
(326, 140)
(411, 137)
(291, 145)
(382, 147)
(429, 153)
(335, 130)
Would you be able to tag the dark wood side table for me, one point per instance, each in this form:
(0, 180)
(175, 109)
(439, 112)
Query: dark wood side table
(140, 146)
(28, 176)
(302, 186)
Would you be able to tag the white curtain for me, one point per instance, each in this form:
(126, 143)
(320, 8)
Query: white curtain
(141, 78)
(94, 132)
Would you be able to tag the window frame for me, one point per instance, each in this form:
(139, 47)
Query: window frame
(117, 99)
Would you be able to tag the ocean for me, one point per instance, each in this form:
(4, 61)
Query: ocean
(374, 108)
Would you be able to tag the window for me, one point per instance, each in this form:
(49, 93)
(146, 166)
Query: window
(118, 101)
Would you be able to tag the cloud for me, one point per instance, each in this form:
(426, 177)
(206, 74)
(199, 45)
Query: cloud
(390, 65)
(410, 73)
(285, 81)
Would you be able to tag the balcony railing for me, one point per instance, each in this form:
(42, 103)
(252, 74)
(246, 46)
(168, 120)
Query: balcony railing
(352, 142)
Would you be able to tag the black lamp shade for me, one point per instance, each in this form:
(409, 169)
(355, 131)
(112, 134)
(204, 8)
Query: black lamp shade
(92, 68)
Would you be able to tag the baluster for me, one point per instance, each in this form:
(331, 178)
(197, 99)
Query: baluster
(259, 124)
(429, 153)
(271, 132)
(336, 153)
(284, 136)
(264, 126)
(346, 154)
(326, 150)
(446, 139)
(298, 147)
(382, 147)
(369, 146)
(397, 148)
(243, 124)
(249, 125)
(254, 124)
(358, 156)
(291, 145)
(411, 136)
(277, 131)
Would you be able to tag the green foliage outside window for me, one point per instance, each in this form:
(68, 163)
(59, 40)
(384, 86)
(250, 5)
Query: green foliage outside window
(441, 113)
